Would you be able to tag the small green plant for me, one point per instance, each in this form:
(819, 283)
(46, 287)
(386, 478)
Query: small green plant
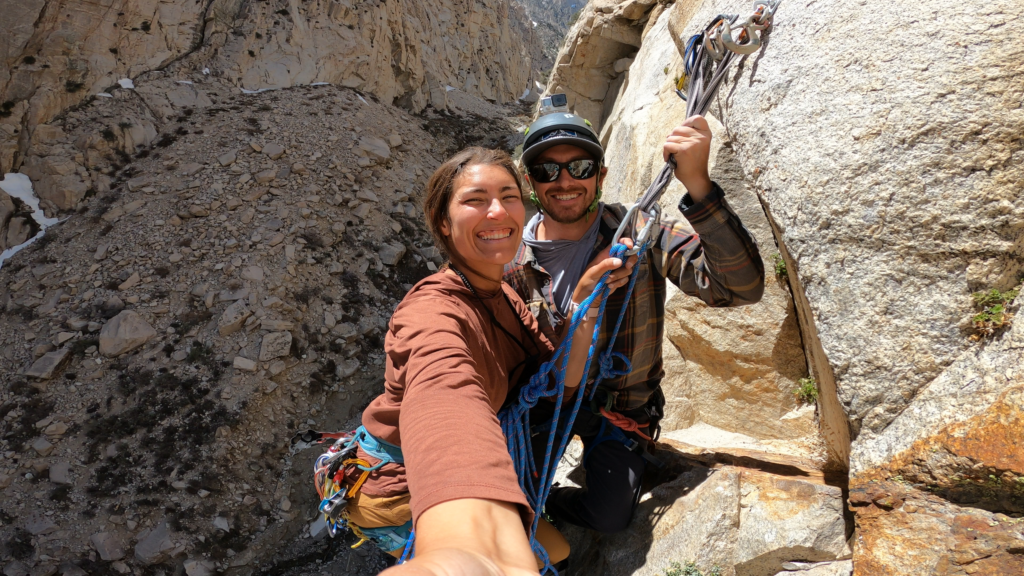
(665, 70)
(199, 352)
(993, 311)
(108, 135)
(807, 390)
(780, 265)
(72, 86)
(690, 569)
(124, 125)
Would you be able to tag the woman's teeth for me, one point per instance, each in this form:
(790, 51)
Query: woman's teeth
(495, 234)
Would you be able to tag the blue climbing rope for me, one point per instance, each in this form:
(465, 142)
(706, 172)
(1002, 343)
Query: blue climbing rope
(515, 419)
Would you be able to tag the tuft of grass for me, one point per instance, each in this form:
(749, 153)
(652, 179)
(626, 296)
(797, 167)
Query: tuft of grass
(72, 86)
(780, 265)
(29, 60)
(108, 135)
(199, 352)
(806, 391)
(690, 569)
(993, 309)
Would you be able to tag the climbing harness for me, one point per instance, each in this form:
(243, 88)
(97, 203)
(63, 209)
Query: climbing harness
(329, 481)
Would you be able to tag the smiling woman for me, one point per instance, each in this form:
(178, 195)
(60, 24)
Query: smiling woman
(485, 222)
(431, 452)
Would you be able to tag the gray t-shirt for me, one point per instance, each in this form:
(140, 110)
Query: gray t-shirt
(564, 260)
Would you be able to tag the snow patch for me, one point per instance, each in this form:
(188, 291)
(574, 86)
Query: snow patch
(105, 95)
(244, 91)
(189, 82)
(364, 101)
(19, 186)
(206, 71)
(449, 88)
(320, 84)
(525, 93)
(534, 23)
(126, 83)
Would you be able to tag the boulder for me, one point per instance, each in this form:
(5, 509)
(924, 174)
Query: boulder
(902, 530)
(196, 567)
(244, 364)
(275, 345)
(254, 273)
(233, 317)
(18, 231)
(155, 545)
(390, 254)
(60, 473)
(273, 151)
(124, 333)
(108, 546)
(49, 364)
(742, 520)
(40, 525)
(373, 148)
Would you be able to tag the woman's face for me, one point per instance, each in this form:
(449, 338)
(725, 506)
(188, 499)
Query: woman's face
(486, 216)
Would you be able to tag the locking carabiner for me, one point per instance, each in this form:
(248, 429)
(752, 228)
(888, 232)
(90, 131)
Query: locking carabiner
(629, 220)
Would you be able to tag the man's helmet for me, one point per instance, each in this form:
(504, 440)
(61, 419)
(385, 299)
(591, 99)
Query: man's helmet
(560, 128)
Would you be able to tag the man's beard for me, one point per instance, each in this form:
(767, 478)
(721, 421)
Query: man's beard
(564, 215)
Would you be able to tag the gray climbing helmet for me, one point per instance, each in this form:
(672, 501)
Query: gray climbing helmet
(560, 128)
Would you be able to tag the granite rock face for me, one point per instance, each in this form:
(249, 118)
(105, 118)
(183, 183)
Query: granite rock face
(893, 193)
(743, 520)
(731, 368)
(589, 68)
(56, 54)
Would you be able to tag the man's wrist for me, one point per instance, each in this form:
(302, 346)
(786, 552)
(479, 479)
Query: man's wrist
(698, 188)
(591, 312)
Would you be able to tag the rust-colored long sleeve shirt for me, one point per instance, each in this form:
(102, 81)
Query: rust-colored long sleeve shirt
(447, 375)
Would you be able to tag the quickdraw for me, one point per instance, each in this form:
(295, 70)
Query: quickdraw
(709, 54)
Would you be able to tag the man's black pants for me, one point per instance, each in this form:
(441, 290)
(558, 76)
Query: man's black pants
(613, 479)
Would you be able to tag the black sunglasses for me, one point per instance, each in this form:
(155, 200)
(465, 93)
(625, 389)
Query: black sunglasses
(548, 171)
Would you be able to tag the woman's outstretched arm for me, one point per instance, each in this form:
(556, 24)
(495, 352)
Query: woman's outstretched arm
(470, 537)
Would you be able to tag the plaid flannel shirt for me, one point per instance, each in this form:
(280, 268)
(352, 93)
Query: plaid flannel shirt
(719, 263)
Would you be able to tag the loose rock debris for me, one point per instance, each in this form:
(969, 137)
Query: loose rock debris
(226, 282)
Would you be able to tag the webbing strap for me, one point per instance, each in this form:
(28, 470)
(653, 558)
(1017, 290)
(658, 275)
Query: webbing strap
(379, 449)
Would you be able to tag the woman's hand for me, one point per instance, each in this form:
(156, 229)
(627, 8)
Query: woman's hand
(470, 537)
(601, 264)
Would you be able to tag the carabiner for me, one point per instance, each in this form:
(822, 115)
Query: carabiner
(645, 233)
(751, 45)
